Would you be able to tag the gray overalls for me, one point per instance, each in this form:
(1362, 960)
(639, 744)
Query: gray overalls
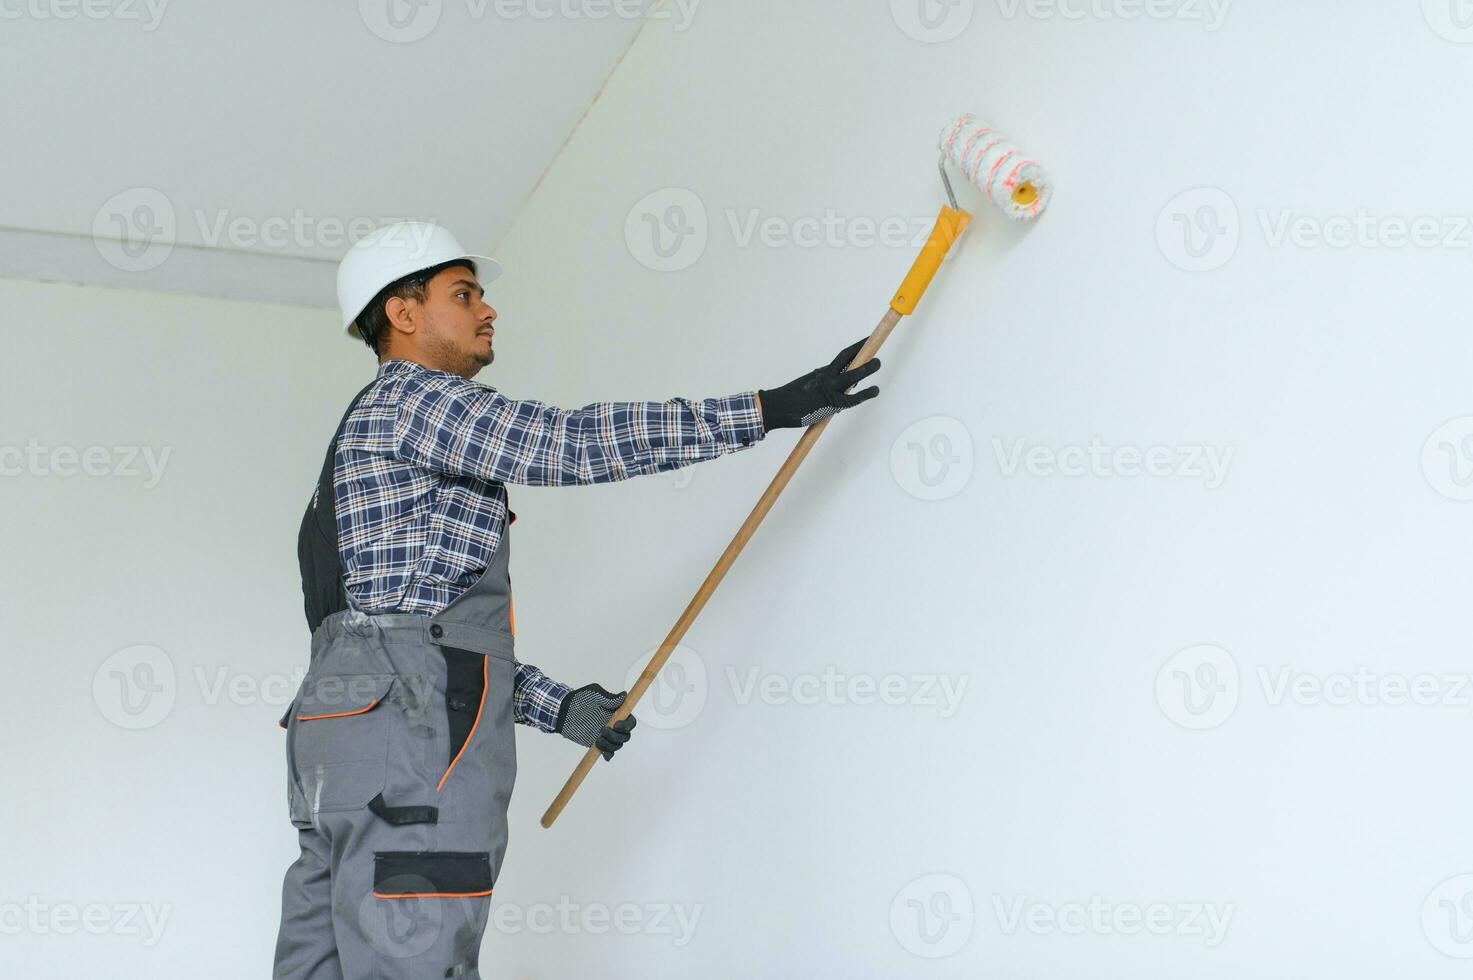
(400, 763)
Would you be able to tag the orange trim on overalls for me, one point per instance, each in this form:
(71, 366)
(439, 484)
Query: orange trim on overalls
(340, 714)
(485, 682)
(435, 894)
(511, 606)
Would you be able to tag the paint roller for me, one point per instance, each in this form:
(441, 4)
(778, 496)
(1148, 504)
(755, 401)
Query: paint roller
(1014, 182)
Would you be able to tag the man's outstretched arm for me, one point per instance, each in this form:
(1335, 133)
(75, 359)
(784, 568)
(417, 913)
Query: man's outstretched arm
(451, 425)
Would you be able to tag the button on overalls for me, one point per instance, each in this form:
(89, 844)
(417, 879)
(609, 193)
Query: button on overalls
(400, 763)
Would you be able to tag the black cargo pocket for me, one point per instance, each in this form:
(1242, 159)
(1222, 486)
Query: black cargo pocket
(339, 739)
(431, 874)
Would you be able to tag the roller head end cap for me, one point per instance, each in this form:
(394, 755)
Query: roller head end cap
(995, 165)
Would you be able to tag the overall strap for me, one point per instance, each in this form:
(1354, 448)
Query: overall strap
(317, 541)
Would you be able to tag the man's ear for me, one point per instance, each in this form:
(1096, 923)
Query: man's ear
(401, 314)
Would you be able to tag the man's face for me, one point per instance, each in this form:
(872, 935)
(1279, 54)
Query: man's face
(457, 320)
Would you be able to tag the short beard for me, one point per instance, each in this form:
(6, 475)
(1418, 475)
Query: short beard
(457, 361)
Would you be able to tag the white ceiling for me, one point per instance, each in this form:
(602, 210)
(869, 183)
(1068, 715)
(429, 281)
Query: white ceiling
(272, 132)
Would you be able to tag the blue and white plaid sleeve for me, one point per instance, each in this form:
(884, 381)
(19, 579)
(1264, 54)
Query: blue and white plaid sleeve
(536, 698)
(453, 425)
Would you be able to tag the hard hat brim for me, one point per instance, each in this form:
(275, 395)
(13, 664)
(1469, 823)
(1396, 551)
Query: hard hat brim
(487, 270)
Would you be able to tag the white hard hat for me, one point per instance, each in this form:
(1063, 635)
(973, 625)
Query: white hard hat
(390, 253)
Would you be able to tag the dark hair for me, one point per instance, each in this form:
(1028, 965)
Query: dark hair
(373, 322)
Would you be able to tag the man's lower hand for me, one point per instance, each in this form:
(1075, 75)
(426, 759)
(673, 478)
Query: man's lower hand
(584, 718)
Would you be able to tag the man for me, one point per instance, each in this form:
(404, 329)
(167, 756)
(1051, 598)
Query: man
(399, 742)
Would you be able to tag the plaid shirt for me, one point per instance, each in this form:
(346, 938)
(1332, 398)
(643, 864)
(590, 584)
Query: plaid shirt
(421, 469)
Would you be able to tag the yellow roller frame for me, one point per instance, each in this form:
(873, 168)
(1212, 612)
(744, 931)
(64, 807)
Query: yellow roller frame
(949, 225)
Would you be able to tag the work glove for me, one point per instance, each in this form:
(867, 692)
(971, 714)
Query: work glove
(584, 718)
(819, 393)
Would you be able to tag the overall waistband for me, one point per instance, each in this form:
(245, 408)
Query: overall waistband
(416, 628)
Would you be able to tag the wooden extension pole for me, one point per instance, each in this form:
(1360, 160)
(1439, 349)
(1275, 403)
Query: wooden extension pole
(949, 225)
(713, 579)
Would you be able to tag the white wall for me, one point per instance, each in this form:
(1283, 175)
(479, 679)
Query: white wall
(797, 832)
(1321, 830)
